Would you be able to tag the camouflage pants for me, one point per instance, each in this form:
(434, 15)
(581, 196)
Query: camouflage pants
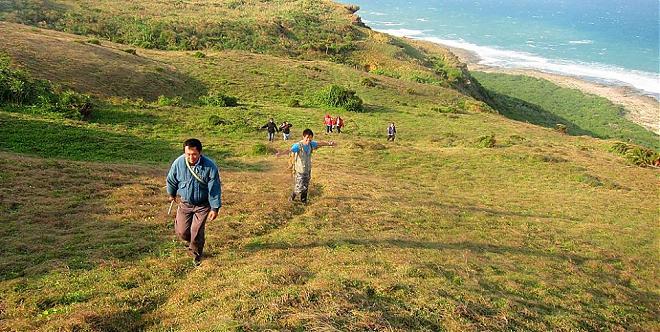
(301, 182)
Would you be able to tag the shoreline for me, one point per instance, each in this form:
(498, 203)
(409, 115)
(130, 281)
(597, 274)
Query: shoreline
(640, 109)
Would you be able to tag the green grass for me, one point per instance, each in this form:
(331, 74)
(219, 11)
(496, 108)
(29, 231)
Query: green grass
(469, 221)
(543, 103)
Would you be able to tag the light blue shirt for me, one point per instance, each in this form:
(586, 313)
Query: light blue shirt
(296, 147)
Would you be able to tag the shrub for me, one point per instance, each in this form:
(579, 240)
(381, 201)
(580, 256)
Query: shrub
(338, 96)
(294, 103)
(386, 73)
(167, 101)
(130, 51)
(454, 74)
(199, 55)
(487, 141)
(477, 107)
(352, 8)
(219, 100)
(94, 41)
(261, 149)
(447, 109)
(561, 128)
(589, 180)
(72, 105)
(425, 80)
(216, 120)
(636, 154)
(368, 81)
(16, 87)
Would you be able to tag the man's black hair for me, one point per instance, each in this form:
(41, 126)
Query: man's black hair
(308, 132)
(193, 143)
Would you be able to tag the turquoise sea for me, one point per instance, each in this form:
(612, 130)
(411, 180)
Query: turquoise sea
(608, 41)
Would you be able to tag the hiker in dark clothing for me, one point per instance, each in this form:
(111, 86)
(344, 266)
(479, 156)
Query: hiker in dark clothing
(391, 132)
(272, 128)
(195, 178)
(285, 128)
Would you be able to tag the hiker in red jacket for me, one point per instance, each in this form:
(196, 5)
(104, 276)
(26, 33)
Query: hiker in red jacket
(340, 124)
(328, 123)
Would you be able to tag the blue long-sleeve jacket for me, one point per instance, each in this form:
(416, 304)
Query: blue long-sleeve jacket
(181, 181)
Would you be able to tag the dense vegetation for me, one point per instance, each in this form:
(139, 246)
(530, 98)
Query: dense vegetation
(19, 90)
(541, 102)
(468, 221)
(295, 29)
(300, 29)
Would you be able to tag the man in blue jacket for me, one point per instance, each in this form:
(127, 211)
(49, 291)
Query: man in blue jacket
(195, 178)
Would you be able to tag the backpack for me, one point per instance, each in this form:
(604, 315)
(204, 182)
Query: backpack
(293, 157)
(291, 163)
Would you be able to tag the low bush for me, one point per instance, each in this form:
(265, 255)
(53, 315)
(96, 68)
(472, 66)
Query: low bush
(590, 180)
(447, 109)
(94, 41)
(387, 73)
(199, 55)
(216, 120)
(18, 88)
(476, 106)
(219, 100)
(368, 81)
(636, 154)
(426, 80)
(130, 51)
(294, 103)
(487, 141)
(261, 149)
(169, 101)
(561, 128)
(338, 96)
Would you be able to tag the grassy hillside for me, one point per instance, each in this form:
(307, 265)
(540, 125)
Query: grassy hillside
(469, 221)
(543, 103)
(298, 29)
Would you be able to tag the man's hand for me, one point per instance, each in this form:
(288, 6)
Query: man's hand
(212, 215)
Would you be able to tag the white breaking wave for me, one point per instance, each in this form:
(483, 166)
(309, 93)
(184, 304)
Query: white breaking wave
(422, 19)
(490, 56)
(389, 24)
(403, 32)
(585, 41)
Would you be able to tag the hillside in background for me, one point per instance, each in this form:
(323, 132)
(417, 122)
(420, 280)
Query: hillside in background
(478, 217)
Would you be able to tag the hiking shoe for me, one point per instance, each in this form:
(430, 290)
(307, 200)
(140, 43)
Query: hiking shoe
(197, 260)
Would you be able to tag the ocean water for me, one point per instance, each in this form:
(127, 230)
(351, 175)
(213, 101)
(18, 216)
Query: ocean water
(608, 41)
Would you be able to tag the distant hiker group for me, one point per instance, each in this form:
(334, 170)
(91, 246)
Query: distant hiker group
(285, 128)
(332, 124)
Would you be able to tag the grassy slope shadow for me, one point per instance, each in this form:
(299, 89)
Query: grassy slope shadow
(520, 110)
(545, 104)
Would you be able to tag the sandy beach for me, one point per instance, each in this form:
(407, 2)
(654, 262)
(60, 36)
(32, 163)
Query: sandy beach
(640, 109)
